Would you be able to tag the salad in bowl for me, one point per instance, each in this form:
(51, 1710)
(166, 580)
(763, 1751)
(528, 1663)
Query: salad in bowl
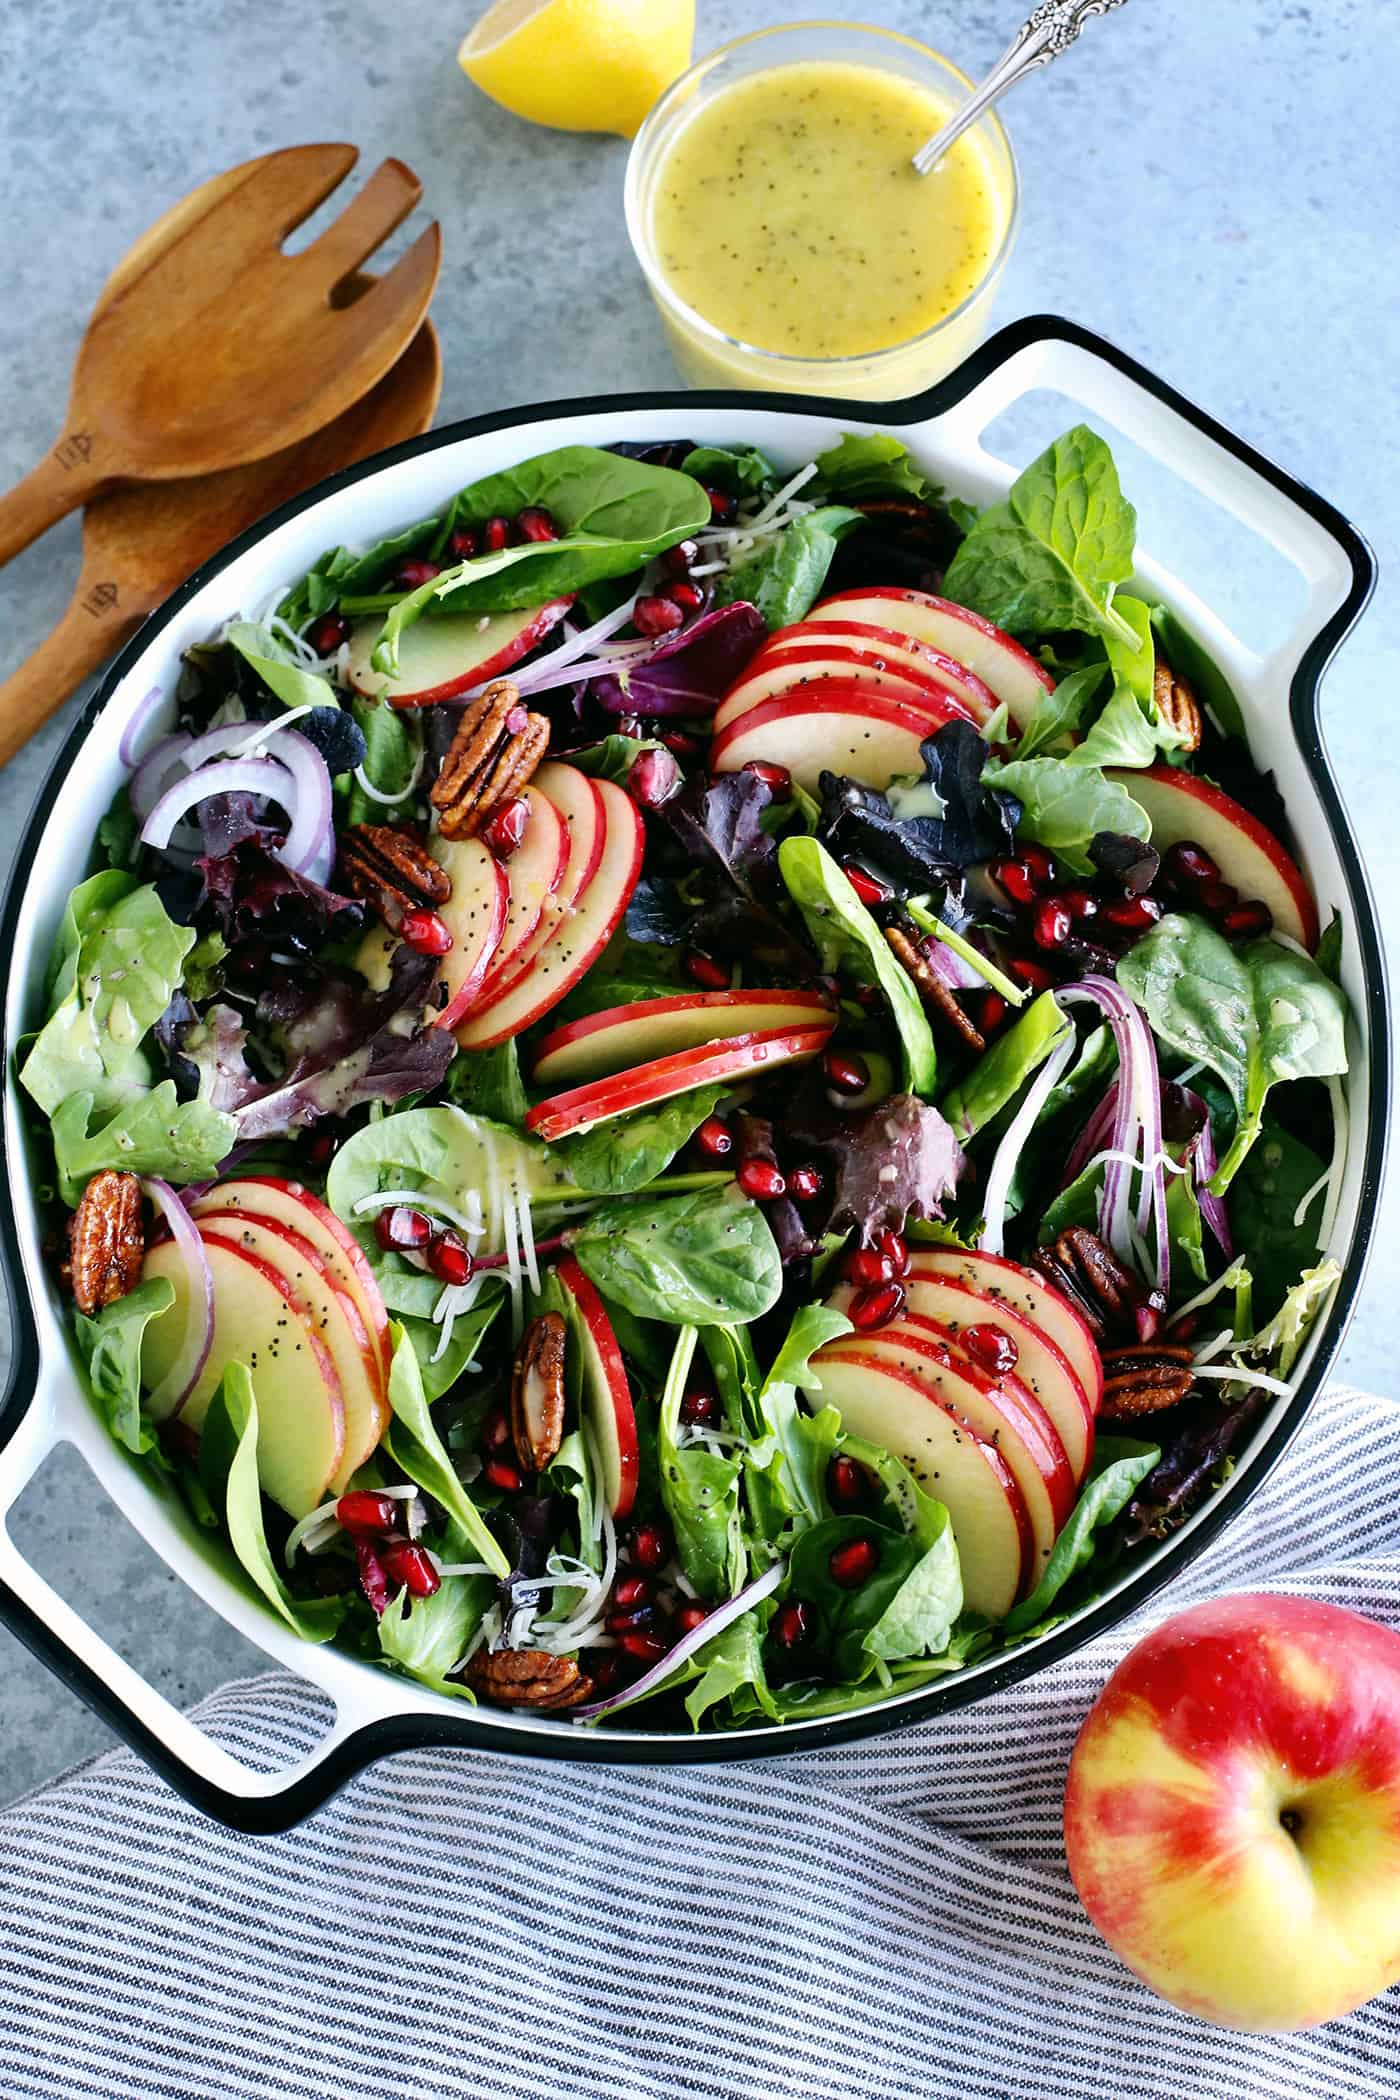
(694, 1088)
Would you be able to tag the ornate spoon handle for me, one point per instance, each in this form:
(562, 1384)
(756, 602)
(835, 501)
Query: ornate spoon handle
(1051, 29)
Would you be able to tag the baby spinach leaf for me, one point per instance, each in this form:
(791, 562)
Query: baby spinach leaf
(1264, 1200)
(1131, 730)
(1329, 949)
(488, 1083)
(428, 1636)
(1001, 1072)
(393, 751)
(847, 938)
(228, 1471)
(1119, 1464)
(111, 1346)
(906, 1608)
(706, 1258)
(153, 1133)
(1062, 713)
(1209, 683)
(699, 1491)
(739, 470)
(1255, 1016)
(784, 579)
(612, 758)
(285, 678)
(1050, 555)
(788, 1452)
(866, 469)
(626, 1152)
(413, 1442)
(1065, 807)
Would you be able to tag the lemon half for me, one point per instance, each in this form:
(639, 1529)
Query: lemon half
(580, 65)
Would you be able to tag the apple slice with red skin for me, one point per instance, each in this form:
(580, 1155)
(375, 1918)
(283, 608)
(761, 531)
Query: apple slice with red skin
(607, 1397)
(873, 741)
(931, 1299)
(440, 657)
(579, 807)
(885, 646)
(801, 672)
(301, 1414)
(1011, 671)
(297, 1208)
(999, 1408)
(996, 1281)
(474, 915)
(331, 1313)
(534, 873)
(1184, 809)
(579, 931)
(898, 1411)
(619, 1037)
(740, 1057)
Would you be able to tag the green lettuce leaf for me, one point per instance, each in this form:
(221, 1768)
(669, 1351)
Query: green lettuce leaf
(111, 1344)
(868, 469)
(785, 579)
(626, 1152)
(413, 1442)
(706, 1258)
(153, 1133)
(1119, 1464)
(1064, 807)
(1001, 1072)
(699, 1491)
(428, 1636)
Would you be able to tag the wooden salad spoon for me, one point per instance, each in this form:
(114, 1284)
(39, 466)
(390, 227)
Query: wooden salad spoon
(212, 348)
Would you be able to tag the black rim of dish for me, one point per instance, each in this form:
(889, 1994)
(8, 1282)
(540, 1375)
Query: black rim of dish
(301, 1797)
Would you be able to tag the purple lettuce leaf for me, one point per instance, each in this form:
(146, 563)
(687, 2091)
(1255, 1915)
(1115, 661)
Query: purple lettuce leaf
(255, 897)
(896, 1161)
(976, 823)
(689, 672)
(205, 1053)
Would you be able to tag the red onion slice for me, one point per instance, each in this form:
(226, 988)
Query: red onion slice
(173, 1391)
(229, 776)
(723, 1615)
(310, 809)
(140, 717)
(162, 765)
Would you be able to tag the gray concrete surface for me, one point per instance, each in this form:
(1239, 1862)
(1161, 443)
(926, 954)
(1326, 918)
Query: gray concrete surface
(1213, 186)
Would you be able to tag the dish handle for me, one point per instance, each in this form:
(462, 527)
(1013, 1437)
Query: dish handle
(198, 1767)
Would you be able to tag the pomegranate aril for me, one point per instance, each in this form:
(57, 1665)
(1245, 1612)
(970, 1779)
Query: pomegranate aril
(847, 1484)
(630, 1621)
(991, 1347)
(402, 1230)
(722, 504)
(681, 744)
(365, 1514)
(699, 1406)
(536, 524)
(450, 1260)
(1040, 863)
(326, 634)
(678, 560)
(714, 1139)
(656, 616)
(650, 1546)
(866, 1267)
(600, 1666)
(845, 1074)
(495, 1430)
(464, 544)
(507, 827)
(706, 971)
(500, 1473)
(763, 1181)
(425, 933)
(854, 1563)
(775, 778)
(1217, 897)
(495, 534)
(892, 1245)
(791, 1625)
(1080, 904)
(876, 1308)
(1189, 864)
(688, 596)
(653, 778)
(869, 891)
(1033, 975)
(991, 1012)
(630, 1591)
(690, 1618)
(1182, 1329)
(805, 1184)
(322, 1148)
(1132, 914)
(409, 1567)
(412, 574)
(1148, 1318)
(1247, 921)
(1051, 925)
(642, 1647)
(1016, 879)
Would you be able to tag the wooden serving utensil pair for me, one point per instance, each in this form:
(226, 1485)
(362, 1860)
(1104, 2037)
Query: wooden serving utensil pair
(219, 377)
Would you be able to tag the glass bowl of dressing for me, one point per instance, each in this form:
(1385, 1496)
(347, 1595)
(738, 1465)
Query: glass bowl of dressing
(785, 237)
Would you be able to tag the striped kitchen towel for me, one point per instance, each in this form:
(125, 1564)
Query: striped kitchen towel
(888, 1922)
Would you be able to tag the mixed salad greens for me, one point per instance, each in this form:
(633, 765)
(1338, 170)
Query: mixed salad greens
(696, 1082)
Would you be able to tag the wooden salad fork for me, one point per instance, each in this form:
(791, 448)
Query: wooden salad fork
(212, 348)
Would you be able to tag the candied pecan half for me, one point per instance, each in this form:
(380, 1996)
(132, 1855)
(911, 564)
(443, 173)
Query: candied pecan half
(493, 755)
(1144, 1378)
(537, 1392)
(1176, 703)
(392, 871)
(940, 1001)
(528, 1677)
(106, 1241)
(1090, 1275)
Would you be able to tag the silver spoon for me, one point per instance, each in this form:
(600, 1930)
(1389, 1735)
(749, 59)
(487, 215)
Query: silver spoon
(1052, 28)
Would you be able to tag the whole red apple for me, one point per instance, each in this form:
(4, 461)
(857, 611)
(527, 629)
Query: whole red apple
(1232, 1817)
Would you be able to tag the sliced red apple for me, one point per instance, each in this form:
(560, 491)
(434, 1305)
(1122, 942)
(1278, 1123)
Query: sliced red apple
(475, 916)
(993, 1278)
(534, 874)
(331, 1313)
(1184, 809)
(301, 1414)
(607, 1397)
(886, 646)
(663, 1077)
(296, 1207)
(579, 806)
(579, 932)
(1000, 1409)
(441, 656)
(1011, 671)
(618, 1037)
(895, 1409)
(802, 672)
(873, 741)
